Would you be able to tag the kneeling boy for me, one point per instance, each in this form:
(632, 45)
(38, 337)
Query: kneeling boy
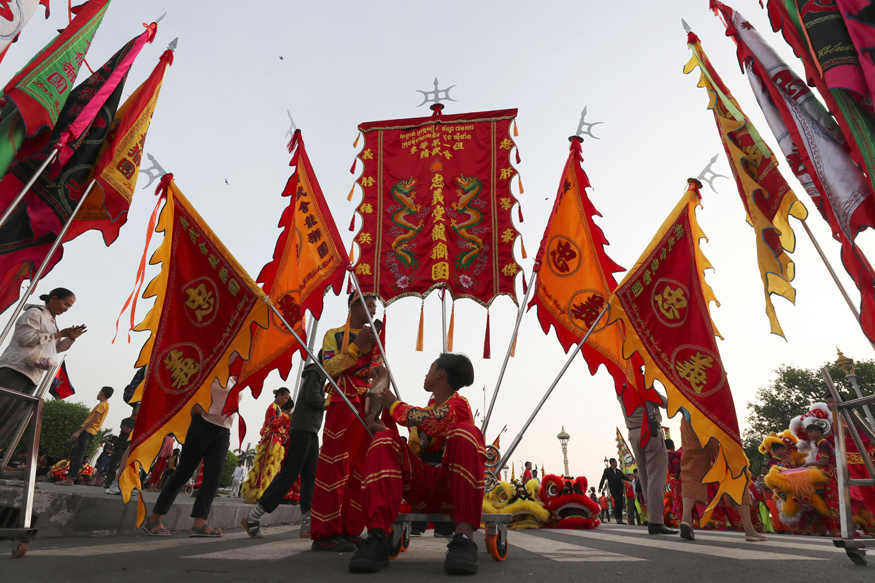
(393, 471)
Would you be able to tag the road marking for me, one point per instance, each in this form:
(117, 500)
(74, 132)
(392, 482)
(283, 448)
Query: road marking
(747, 554)
(804, 543)
(563, 552)
(263, 552)
(147, 544)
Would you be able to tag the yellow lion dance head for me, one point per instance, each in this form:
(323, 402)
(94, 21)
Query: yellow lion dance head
(797, 491)
(523, 502)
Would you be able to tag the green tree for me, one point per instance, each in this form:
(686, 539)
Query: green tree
(791, 393)
(60, 420)
(230, 464)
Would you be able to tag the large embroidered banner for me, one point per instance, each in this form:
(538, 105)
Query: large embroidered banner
(437, 207)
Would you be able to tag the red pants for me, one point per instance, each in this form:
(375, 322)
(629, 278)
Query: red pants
(393, 472)
(158, 470)
(337, 506)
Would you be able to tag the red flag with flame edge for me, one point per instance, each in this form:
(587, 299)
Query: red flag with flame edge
(575, 278)
(767, 198)
(437, 207)
(118, 166)
(205, 306)
(308, 259)
(664, 303)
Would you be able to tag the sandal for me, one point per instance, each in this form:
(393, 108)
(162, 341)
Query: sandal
(148, 526)
(202, 532)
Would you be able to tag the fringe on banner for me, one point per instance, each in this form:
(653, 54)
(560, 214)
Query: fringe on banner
(351, 191)
(352, 252)
(525, 285)
(419, 336)
(487, 348)
(523, 247)
(515, 132)
(519, 209)
(352, 168)
(518, 156)
(452, 327)
(520, 179)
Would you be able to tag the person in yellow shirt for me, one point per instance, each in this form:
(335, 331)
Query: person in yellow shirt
(86, 433)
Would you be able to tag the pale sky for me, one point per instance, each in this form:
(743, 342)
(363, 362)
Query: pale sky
(222, 115)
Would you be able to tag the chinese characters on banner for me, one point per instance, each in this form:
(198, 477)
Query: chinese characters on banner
(437, 207)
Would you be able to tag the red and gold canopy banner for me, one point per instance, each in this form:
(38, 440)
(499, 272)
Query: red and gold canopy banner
(308, 259)
(767, 198)
(437, 207)
(204, 308)
(575, 280)
(664, 304)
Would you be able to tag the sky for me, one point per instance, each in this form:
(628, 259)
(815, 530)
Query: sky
(222, 117)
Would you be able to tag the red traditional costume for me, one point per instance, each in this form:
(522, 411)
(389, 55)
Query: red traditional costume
(336, 495)
(393, 471)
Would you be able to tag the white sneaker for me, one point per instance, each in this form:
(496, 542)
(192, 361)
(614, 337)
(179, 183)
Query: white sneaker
(114, 489)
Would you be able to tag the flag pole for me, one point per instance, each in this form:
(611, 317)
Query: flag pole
(310, 355)
(42, 268)
(14, 205)
(834, 277)
(568, 362)
(314, 326)
(516, 328)
(444, 314)
(358, 290)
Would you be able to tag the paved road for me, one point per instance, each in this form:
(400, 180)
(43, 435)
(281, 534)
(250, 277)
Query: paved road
(611, 552)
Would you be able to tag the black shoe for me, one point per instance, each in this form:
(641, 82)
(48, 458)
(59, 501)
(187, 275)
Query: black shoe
(461, 556)
(373, 555)
(620, 522)
(335, 544)
(659, 529)
(356, 540)
(444, 529)
(253, 529)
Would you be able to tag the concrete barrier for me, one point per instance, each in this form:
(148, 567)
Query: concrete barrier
(87, 511)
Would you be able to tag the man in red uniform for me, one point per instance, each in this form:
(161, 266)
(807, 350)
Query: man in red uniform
(527, 473)
(393, 471)
(350, 355)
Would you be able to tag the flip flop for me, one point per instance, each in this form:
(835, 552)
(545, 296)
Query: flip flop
(148, 526)
(755, 538)
(202, 532)
(687, 531)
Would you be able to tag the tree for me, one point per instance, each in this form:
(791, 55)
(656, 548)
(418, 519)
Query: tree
(102, 436)
(230, 464)
(792, 393)
(60, 420)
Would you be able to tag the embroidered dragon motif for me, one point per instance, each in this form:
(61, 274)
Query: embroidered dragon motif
(403, 192)
(469, 189)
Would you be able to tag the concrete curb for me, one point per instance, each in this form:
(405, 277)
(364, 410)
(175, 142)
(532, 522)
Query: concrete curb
(85, 511)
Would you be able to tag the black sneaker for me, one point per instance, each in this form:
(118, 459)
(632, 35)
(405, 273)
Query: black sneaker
(373, 555)
(356, 540)
(461, 556)
(253, 529)
(335, 544)
(444, 529)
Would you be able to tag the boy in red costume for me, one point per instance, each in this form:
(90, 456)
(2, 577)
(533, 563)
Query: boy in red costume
(350, 355)
(393, 471)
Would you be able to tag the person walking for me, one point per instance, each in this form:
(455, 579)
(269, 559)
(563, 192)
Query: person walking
(237, 479)
(615, 478)
(86, 433)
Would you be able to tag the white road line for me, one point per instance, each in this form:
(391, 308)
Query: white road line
(562, 552)
(147, 544)
(804, 543)
(690, 547)
(263, 552)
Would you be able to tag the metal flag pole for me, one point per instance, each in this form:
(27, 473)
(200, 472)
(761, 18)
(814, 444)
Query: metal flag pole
(358, 290)
(444, 315)
(834, 277)
(516, 328)
(14, 205)
(30, 288)
(310, 355)
(314, 326)
(519, 437)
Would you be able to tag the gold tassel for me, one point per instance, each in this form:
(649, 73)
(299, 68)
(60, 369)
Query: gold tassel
(419, 338)
(351, 190)
(352, 253)
(520, 178)
(515, 132)
(522, 246)
(517, 335)
(344, 347)
(355, 144)
(451, 328)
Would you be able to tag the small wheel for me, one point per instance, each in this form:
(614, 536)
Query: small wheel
(857, 556)
(19, 549)
(405, 537)
(395, 546)
(496, 549)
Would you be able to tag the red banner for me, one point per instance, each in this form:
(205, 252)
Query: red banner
(437, 207)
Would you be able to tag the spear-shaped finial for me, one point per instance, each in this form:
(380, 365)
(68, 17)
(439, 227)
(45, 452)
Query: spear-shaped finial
(160, 18)
(708, 175)
(293, 127)
(172, 45)
(154, 172)
(585, 127)
(686, 26)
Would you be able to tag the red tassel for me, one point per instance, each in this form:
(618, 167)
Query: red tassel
(349, 285)
(163, 184)
(352, 168)
(352, 223)
(518, 156)
(487, 348)
(525, 285)
(383, 329)
(520, 210)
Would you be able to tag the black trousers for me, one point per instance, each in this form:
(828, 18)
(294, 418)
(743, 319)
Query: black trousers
(207, 442)
(82, 443)
(619, 502)
(302, 454)
(632, 511)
